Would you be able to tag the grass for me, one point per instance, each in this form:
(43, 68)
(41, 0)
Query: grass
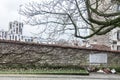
(45, 71)
(42, 69)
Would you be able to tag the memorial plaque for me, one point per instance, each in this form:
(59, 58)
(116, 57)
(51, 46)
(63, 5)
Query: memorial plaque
(98, 58)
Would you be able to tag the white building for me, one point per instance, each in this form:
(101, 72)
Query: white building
(3, 34)
(111, 39)
(115, 39)
(115, 35)
(15, 31)
(27, 39)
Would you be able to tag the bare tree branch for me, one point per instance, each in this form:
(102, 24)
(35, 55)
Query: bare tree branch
(61, 16)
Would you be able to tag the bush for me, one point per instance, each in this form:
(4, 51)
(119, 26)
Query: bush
(117, 68)
(37, 66)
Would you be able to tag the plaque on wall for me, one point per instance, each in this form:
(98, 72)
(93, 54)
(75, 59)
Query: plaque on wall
(98, 58)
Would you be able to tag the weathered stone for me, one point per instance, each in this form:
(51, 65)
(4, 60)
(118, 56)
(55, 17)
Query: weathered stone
(25, 53)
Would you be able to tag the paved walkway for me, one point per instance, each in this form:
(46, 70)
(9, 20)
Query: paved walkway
(92, 76)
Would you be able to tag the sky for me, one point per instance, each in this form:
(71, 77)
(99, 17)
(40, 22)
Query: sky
(9, 12)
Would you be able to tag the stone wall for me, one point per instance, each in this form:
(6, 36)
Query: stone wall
(40, 54)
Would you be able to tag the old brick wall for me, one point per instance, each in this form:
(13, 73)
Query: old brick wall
(40, 54)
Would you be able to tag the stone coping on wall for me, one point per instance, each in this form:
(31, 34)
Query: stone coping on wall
(55, 45)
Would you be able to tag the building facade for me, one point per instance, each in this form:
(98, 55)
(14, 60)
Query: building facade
(111, 39)
(28, 39)
(15, 31)
(115, 39)
(3, 34)
(115, 33)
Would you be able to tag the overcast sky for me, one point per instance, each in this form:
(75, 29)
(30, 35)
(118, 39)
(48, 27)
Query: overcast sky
(9, 12)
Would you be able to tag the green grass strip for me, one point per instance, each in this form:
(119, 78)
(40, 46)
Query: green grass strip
(45, 71)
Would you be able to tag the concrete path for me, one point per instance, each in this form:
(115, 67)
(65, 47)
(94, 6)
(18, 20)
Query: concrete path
(92, 76)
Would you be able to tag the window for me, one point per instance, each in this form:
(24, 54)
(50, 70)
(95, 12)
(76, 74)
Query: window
(16, 30)
(118, 35)
(20, 29)
(2, 34)
(11, 32)
(25, 40)
(5, 33)
(114, 42)
(16, 38)
(10, 37)
(117, 3)
(10, 26)
(13, 37)
(22, 37)
(118, 48)
(29, 40)
(16, 24)
(21, 24)
(118, 7)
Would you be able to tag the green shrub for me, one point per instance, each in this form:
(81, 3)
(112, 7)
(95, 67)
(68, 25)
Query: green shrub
(117, 68)
(38, 66)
